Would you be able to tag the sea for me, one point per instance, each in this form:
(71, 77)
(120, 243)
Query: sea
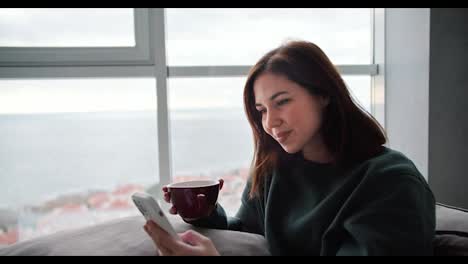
(44, 155)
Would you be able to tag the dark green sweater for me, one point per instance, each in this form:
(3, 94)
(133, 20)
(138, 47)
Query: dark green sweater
(382, 206)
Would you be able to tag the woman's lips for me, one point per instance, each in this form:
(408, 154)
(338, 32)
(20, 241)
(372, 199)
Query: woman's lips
(283, 136)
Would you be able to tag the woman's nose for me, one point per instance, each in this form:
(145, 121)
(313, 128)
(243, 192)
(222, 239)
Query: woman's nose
(272, 120)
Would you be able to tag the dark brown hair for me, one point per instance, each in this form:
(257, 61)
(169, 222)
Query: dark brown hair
(350, 133)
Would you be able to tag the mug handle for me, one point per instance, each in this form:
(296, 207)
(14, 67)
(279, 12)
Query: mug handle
(221, 184)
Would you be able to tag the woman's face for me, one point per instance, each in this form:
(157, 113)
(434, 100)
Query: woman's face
(290, 114)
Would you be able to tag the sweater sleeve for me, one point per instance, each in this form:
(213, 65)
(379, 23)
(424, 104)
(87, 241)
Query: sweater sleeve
(246, 218)
(396, 217)
(249, 216)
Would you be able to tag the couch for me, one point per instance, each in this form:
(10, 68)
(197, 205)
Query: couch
(126, 237)
(451, 231)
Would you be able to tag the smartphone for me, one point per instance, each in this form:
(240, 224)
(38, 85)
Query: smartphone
(150, 209)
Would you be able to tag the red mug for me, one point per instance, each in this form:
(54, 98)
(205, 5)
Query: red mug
(184, 196)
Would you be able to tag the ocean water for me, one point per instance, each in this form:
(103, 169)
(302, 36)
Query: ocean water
(45, 155)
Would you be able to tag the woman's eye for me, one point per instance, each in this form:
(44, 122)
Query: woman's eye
(282, 102)
(261, 111)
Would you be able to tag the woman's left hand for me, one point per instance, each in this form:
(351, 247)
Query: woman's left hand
(191, 244)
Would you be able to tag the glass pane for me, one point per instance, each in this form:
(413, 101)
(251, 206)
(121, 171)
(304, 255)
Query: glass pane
(210, 135)
(360, 88)
(242, 36)
(67, 27)
(73, 151)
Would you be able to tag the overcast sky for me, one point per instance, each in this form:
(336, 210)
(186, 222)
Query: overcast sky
(194, 37)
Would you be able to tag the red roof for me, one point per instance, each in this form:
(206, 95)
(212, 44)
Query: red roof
(127, 189)
(9, 237)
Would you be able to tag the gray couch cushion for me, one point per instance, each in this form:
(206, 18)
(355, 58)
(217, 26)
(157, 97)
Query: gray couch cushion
(127, 237)
(451, 231)
(450, 218)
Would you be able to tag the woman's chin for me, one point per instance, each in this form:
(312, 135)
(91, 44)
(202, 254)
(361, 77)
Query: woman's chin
(290, 149)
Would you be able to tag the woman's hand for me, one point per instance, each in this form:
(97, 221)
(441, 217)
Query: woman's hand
(191, 244)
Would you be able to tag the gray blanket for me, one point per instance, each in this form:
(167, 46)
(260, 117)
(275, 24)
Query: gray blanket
(125, 237)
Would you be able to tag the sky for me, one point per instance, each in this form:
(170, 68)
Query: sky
(194, 37)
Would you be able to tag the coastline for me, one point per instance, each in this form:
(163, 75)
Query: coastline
(73, 210)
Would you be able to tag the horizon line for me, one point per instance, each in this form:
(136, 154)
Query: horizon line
(119, 111)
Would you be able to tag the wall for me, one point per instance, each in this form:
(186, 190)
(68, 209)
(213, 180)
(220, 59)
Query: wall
(407, 82)
(448, 100)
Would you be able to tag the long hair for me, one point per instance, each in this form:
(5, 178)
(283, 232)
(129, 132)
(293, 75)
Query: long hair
(350, 133)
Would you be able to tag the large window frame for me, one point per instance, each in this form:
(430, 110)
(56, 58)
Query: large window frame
(148, 59)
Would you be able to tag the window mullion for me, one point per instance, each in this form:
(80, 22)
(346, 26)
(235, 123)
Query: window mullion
(378, 57)
(229, 70)
(158, 45)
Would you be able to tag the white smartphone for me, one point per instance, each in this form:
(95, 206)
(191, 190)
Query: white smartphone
(151, 210)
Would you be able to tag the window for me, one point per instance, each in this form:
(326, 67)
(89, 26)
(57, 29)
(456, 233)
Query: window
(210, 134)
(126, 100)
(360, 87)
(74, 150)
(78, 140)
(64, 27)
(32, 37)
(240, 36)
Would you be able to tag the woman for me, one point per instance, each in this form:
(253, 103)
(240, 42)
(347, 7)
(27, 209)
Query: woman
(322, 183)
